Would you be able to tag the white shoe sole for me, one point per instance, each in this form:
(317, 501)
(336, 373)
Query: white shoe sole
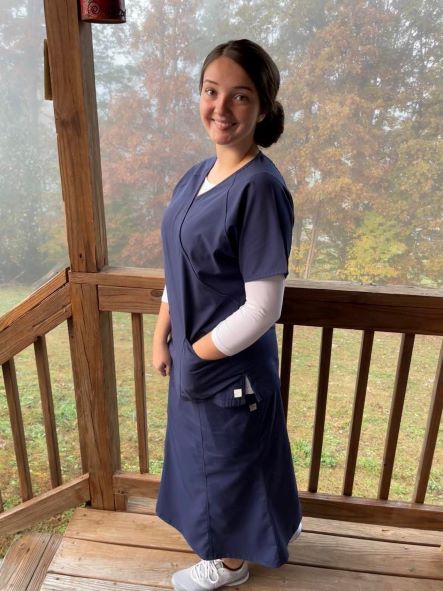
(298, 532)
(239, 581)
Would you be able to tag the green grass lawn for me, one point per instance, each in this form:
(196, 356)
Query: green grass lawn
(344, 362)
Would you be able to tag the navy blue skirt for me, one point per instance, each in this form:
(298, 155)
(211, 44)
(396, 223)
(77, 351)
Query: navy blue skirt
(228, 483)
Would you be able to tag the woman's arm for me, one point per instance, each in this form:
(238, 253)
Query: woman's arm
(264, 299)
(161, 358)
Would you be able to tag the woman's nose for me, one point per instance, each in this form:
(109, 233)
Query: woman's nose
(222, 105)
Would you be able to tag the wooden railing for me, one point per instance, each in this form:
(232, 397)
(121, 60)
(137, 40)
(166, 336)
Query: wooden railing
(25, 325)
(326, 305)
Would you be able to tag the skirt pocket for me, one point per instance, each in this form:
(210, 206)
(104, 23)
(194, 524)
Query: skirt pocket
(201, 379)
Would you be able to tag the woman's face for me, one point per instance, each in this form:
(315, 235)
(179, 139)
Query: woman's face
(229, 104)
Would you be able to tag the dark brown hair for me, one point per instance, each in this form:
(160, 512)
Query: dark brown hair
(263, 72)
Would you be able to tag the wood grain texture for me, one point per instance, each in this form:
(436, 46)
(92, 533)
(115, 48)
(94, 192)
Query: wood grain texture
(140, 391)
(74, 99)
(374, 511)
(37, 321)
(44, 380)
(326, 506)
(143, 277)
(94, 380)
(57, 582)
(320, 408)
(395, 415)
(334, 527)
(138, 549)
(18, 432)
(130, 483)
(357, 411)
(45, 505)
(388, 309)
(21, 562)
(135, 299)
(285, 366)
(34, 299)
(146, 566)
(430, 439)
(383, 533)
(40, 572)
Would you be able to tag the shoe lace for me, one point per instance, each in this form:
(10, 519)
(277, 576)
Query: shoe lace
(205, 570)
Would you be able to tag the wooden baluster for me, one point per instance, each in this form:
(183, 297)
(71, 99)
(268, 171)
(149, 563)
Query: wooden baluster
(285, 367)
(401, 382)
(140, 391)
(1, 503)
(430, 439)
(44, 380)
(357, 415)
(18, 433)
(320, 407)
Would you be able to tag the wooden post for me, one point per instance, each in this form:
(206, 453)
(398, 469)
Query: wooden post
(75, 109)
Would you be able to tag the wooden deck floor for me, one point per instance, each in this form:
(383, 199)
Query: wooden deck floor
(131, 551)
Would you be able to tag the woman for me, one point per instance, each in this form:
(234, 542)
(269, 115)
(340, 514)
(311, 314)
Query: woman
(228, 482)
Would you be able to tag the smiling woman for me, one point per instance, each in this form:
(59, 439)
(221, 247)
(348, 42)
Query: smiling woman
(228, 482)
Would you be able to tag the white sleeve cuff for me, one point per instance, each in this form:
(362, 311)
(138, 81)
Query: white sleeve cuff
(165, 295)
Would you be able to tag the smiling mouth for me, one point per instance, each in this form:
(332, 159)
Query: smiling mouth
(222, 124)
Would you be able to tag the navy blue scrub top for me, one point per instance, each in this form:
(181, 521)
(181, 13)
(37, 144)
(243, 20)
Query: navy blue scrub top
(238, 231)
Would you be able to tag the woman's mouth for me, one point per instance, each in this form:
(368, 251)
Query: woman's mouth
(222, 125)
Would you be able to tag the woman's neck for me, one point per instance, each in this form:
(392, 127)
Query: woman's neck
(228, 161)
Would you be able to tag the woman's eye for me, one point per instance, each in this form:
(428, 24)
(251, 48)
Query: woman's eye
(209, 91)
(240, 98)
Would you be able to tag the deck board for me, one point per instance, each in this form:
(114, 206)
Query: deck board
(313, 549)
(139, 552)
(151, 567)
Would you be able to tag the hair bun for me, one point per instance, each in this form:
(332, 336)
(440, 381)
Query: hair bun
(268, 131)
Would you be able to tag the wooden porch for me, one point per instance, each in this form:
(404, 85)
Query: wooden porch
(348, 542)
(136, 551)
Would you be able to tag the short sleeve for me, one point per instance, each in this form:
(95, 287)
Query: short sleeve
(260, 226)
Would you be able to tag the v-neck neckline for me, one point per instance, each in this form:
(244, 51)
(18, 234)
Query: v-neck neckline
(230, 177)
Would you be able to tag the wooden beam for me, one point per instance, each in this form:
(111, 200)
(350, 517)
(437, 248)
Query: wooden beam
(122, 277)
(357, 411)
(94, 379)
(358, 509)
(75, 109)
(18, 432)
(138, 349)
(43, 506)
(44, 380)
(395, 415)
(134, 300)
(285, 365)
(432, 428)
(36, 298)
(35, 322)
(320, 408)
(362, 510)
(361, 308)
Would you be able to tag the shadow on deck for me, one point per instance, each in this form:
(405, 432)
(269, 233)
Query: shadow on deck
(136, 551)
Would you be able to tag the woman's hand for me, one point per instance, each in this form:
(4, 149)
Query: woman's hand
(161, 358)
(205, 349)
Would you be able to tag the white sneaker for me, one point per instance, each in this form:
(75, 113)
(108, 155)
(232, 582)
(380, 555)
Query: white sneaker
(297, 533)
(209, 574)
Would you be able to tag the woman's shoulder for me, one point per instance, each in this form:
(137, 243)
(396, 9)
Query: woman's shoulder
(261, 175)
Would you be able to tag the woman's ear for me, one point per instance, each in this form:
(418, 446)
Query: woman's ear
(261, 117)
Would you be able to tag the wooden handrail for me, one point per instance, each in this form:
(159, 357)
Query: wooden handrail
(138, 291)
